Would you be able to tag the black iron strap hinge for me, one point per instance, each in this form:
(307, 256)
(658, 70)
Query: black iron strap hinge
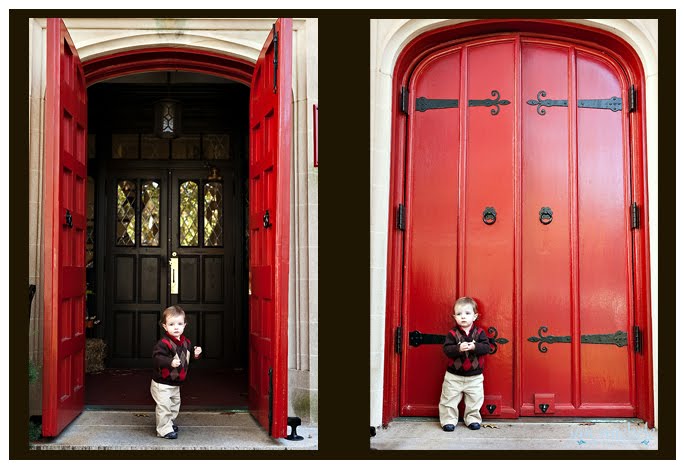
(632, 98)
(401, 217)
(397, 340)
(404, 99)
(635, 216)
(636, 335)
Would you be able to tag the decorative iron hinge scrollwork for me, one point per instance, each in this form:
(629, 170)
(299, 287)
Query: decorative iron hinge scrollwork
(494, 340)
(423, 104)
(539, 102)
(619, 338)
(614, 103)
(417, 338)
(490, 102)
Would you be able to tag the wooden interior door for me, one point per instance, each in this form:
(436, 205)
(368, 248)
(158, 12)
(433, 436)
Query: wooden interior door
(517, 194)
(64, 285)
(136, 263)
(270, 123)
(204, 227)
(174, 213)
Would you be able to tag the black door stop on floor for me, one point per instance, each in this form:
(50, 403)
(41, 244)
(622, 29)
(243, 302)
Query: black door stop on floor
(293, 422)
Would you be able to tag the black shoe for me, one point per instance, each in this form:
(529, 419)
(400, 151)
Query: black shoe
(474, 426)
(449, 428)
(171, 435)
(175, 428)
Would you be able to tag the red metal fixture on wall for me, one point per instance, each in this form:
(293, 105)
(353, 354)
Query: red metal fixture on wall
(518, 177)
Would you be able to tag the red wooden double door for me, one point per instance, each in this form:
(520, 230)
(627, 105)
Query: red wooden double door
(518, 194)
(64, 223)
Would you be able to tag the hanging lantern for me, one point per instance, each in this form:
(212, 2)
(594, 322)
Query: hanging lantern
(167, 114)
(167, 118)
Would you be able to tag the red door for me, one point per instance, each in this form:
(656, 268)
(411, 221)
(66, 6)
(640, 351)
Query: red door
(525, 208)
(64, 232)
(269, 226)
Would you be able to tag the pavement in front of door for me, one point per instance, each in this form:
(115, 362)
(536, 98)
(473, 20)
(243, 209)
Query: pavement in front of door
(198, 430)
(520, 434)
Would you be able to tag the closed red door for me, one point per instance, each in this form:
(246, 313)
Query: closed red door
(64, 283)
(269, 227)
(525, 208)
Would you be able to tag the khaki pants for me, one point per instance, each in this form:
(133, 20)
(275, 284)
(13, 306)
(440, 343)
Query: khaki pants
(453, 388)
(168, 402)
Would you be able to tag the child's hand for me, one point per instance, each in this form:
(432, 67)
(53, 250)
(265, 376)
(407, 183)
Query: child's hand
(175, 362)
(198, 351)
(467, 346)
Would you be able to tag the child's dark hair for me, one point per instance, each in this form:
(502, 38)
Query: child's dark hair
(462, 301)
(172, 311)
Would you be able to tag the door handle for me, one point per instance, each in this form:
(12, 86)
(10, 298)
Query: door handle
(545, 215)
(173, 264)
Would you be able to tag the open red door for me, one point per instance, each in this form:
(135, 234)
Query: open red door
(64, 284)
(270, 120)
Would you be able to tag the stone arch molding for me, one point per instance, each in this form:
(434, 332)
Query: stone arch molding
(239, 38)
(635, 32)
(248, 51)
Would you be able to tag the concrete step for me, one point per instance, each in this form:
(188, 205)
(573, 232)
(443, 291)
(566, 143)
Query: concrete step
(199, 430)
(520, 434)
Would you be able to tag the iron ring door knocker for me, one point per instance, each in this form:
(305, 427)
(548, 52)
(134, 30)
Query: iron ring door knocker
(267, 220)
(489, 215)
(545, 215)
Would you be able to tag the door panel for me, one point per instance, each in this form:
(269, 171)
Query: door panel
(203, 239)
(269, 218)
(137, 263)
(487, 257)
(547, 294)
(604, 231)
(431, 236)
(64, 223)
(522, 135)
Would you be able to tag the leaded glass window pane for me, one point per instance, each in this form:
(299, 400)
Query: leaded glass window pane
(149, 215)
(213, 214)
(186, 147)
(124, 146)
(153, 147)
(125, 212)
(189, 211)
(216, 146)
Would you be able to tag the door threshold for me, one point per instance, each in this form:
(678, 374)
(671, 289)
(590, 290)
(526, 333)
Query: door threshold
(222, 409)
(531, 420)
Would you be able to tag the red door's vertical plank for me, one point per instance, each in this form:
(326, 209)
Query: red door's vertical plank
(432, 223)
(269, 221)
(546, 261)
(487, 255)
(64, 224)
(604, 233)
